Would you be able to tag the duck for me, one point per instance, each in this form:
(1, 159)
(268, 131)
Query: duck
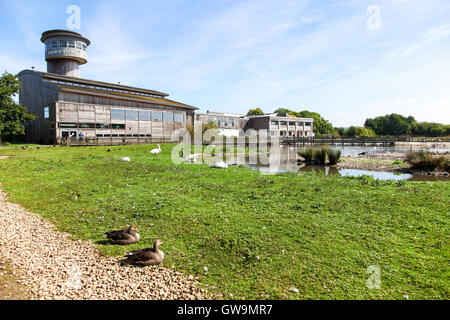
(128, 236)
(157, 150)
(146, 257)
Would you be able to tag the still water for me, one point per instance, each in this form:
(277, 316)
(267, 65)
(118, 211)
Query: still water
(288, 163)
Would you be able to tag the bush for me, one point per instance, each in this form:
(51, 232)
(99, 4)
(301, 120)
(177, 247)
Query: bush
(320, 156)
(306, 154)
(425, 160)
(333, 156)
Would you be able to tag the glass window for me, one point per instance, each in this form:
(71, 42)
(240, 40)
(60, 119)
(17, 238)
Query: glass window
(144, 115)
(117, 126)
(233, 122)
(102, 126)
(292, 123)
(283, 123)
(168, 116)
(87, 125)
(62, 43)
(54, 44)
(156, 115)
(132, 115)
(178, 117)
(46, 112)
(67, 125)
(71, 44)
(274, 123)
(84, 47)
(78, 45)
(300, 123)
(219, 122)
(118, 114)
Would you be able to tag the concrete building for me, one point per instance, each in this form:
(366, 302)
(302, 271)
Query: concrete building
(282, 125)
(68, 106)
(230, 124)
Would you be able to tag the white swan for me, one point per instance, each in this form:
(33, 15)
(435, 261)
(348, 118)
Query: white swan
(220, 165)
(157, 150)
(126, 159)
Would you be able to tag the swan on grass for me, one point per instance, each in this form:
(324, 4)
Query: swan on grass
(157, 150)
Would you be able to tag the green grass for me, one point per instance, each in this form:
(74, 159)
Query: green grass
(258, 235)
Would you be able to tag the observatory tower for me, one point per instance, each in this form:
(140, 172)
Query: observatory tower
(65, 51)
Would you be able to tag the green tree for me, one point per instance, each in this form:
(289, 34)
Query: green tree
(392, 125)
(12, 114)
(255, 112)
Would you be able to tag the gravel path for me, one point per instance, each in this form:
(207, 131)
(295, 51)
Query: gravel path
(53, 266)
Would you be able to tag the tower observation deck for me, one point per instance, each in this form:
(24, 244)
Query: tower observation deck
(65, 51)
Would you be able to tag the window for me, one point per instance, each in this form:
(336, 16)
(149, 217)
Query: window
(87, 125)
(219, 122)
(102, 126)
(54, 44)
(233, 122)
(283, 123)
(300, 123)
(117, 114)
(227, 123)
(67, 125)
(168, 116)
(132, 115)
(117, 126)
(78, 45)
(71, 44)
(292, 123)
(145, 115)
(274, 123)
(308, 124)
(178, 117)
(157, 116)
(46, 112)
(62, 44)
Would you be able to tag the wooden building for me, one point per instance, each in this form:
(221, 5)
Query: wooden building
(67, 106)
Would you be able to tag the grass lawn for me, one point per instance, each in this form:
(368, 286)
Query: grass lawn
(257, 235)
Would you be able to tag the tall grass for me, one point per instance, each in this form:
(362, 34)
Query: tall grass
(307, 154)
(320, 156)
(425, 160)
(333, 156)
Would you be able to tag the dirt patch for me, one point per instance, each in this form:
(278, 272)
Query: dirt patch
(54, 266)
(10, 288)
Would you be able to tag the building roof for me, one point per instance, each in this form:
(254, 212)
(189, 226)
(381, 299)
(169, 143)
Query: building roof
(63, 33)
(105, 89)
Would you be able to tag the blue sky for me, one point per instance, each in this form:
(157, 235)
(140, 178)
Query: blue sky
(234, 55)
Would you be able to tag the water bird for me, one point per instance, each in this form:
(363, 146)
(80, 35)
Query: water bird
(156, 150)
(128, 236)
(146, 257)
(125, 159)
(220, 165)
(192, 157)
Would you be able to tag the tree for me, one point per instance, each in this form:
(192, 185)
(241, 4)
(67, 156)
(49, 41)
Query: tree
(393, 124)
(12, 114)
(255, 112)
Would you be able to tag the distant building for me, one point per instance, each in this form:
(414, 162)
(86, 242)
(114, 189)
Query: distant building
(69, 106)
(282, 125)
(229, 124)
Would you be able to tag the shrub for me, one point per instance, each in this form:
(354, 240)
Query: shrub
(427, 161)
(306, 154)
(320, 156)
(333, 156)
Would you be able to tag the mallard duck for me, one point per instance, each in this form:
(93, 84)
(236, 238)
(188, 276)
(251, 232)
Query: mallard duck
(128, 236)
(146, 257)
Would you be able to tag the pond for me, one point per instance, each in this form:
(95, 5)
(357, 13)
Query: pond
(288, 163)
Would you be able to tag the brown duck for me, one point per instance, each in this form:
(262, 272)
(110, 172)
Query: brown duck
(128, 236)
(146, 257)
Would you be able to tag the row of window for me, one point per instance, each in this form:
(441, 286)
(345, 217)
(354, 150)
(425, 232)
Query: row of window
(66, 44)
(69, 125)
(123, 135)
(291, 123)
(135, 115)
(226, 122)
